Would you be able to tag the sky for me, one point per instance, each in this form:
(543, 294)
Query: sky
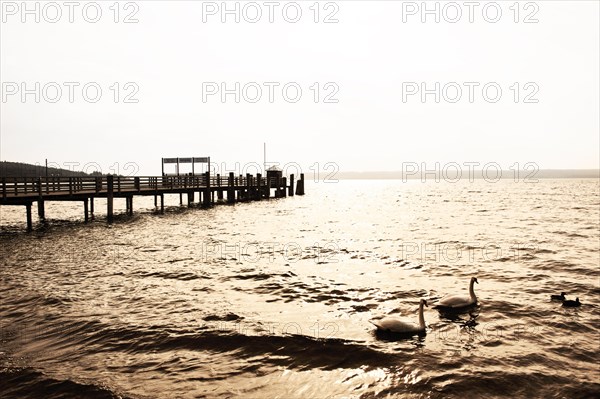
(344, 85)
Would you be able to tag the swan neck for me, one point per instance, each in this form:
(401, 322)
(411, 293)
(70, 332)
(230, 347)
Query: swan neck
(421, 318)
(471, 291)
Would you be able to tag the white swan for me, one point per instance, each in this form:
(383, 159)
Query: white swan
(459, 301)
(395, 325)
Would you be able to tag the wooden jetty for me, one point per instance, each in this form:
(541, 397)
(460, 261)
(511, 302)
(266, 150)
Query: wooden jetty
(27, 190)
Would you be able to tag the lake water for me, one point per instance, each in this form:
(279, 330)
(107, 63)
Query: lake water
(273, 299)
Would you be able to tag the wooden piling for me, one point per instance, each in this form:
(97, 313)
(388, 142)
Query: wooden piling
(109, 198)
(41, 210)
(291, 187)
(162, 203)
(85, 210)
(29, 222)
(300, 185)
(248, 195)
(207, 194)
(258, 186)
(190, 198)
(277, 187)
(230, 190)
(92, 208)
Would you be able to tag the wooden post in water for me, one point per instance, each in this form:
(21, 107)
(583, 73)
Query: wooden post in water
(109, 197)
(40, 202)
(268, 187)
(162, 203)
(300, 185)
(240, 195)
(130, 205)
(220, 190)
(41, 210)
(28, 210)
(258, 186)
(278, 186)
(230, 190)
(85, 210)
(291, 187)
(248, 187)
(190, 197)
(92, 207)
(284, 187)
(207, 189)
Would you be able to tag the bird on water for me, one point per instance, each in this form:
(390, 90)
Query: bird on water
(560, 297)
(456, 302)
(569, 303)
(395, 325)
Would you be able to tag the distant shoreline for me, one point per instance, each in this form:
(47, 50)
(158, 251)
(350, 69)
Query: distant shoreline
(522, 175)
(19, 169)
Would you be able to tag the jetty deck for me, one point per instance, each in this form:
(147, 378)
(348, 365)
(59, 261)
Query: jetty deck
(211, 190)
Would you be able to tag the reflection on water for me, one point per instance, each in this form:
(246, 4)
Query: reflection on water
(273, 298)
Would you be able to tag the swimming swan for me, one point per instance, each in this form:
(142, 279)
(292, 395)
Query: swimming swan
(459, 301)
(395, 325)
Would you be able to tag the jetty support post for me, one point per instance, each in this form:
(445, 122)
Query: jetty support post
(92, 208)
(41, 210)
(129, 205)
(207, 195)
(258, 186)
(291, 187)
(85, 210)
(109, 198)
(40, 202)
(230, 190)
(220, 190)
(284, 187)
(300, 185)
(268, 187)
(162, 203)
(28, 210)
(277, 187)
(248, 187)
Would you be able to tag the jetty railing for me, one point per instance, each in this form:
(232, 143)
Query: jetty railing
(15, 186)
